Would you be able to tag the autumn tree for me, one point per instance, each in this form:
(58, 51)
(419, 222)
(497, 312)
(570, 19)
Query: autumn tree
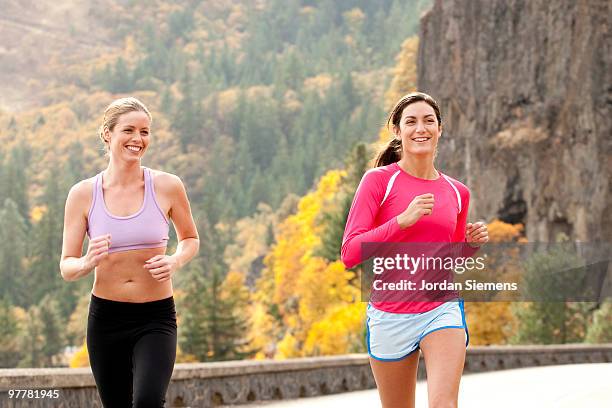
(302, 291)
(493, 322)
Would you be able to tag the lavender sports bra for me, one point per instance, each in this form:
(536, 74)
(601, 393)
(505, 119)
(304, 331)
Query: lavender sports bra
(147, 228)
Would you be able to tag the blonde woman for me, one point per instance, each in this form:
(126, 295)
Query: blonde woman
(126, 210)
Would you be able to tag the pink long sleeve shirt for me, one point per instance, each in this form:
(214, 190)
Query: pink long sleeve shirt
(384, 193)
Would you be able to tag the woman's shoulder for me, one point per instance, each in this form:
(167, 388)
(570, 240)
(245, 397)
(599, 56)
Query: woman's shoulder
(81, 193)
(463, 189)
(83, 187)
(164, 181)
(381, 173)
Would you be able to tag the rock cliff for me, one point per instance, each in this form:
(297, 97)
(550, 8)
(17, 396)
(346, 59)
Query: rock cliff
(525, 88)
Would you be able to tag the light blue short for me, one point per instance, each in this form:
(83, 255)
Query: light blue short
(394, 336)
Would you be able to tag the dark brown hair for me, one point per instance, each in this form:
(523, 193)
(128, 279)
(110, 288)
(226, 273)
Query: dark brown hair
(393, 151)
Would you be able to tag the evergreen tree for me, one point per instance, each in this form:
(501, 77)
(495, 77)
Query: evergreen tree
(9, 330)
(194, 336)
(31, 339)
(73, 166)
(121, 79)
(47, 242)
(187, 118)
(334, 220)
(549, 279)
(15, 180)
(13, 235)
(212, 325)
(52, 329)
(167, 102)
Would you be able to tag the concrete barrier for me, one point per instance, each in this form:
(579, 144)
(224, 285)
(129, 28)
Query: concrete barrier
(240, 382)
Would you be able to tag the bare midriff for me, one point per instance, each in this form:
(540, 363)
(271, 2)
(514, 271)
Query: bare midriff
(122, 277)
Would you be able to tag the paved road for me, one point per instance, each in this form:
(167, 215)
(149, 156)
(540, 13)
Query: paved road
(563, 386)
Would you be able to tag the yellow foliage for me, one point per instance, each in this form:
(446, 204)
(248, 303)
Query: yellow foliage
(291, 101)
(250, 239)
(226, 101)
(354, 18)
(493, 322)
(77, 323)
(405, 74)
(319, 83)
(298, 236)
(65, 118)
(350, 41)
(287, 348)
(384, 136)
(37, 213)
(500, 231)
(20, 313)
(237, 17)
(310, 293)
(129, 47)
(339, 332)
(80, 358)
(322, 284)
(308, 11)
(184, 357)
(263, 331)
(490, 322)
(190, 48)
(234, 287)
(259, 92)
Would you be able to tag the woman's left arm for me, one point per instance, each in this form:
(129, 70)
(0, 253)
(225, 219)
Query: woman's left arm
(162, 267)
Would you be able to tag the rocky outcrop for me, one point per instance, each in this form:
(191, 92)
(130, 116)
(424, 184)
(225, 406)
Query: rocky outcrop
(525, 88)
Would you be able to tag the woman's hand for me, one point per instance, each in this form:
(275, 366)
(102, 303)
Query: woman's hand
(97, 250)
(419, 206)
(476, 234)
(162, 267)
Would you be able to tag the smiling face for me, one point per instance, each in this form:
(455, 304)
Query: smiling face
(129, 138)
(419, 129)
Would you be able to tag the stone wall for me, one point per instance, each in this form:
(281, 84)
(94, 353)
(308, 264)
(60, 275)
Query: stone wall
(238, 382)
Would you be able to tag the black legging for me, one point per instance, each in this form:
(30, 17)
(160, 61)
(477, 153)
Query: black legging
(132, 348)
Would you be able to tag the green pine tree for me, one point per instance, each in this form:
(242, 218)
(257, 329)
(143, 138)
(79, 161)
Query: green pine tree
(52, 329)
(47, 244)
(10, 353)
(13, 251)
(31, 339)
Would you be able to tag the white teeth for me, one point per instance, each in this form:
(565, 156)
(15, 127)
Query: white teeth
(420, 139)
(134, 148)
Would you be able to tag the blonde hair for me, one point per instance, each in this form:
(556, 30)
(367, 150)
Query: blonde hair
(117, 108)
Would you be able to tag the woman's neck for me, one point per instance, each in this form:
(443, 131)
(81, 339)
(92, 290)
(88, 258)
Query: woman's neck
(421, 168)
(122, 173)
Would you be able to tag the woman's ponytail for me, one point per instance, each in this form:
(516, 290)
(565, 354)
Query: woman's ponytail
(390, 154)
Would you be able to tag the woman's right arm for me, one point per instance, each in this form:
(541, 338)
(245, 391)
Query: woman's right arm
(366, 204)
(72, 265)
(360, 221)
